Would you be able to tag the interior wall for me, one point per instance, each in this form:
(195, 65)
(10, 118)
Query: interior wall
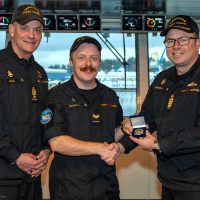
(137, 175)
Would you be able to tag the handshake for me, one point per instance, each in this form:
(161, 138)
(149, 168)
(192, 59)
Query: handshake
(110, 152)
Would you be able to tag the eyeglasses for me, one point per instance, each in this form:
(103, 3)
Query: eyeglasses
(181, 41)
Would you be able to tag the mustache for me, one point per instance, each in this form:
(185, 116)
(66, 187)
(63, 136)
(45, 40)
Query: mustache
(88, 68)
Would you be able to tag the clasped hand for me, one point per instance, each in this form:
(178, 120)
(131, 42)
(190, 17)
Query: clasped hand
(33, 164)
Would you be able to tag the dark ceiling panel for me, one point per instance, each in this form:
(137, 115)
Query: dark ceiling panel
(6, 5)
(69, 5)
(142, 6)
(111, 9)
(73, 5)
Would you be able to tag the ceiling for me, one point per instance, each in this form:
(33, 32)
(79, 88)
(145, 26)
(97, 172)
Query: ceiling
(111, 7)
(110, 10)
(105, 7)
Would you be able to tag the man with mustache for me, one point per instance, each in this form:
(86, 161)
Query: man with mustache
(88, 68)
(84, 117)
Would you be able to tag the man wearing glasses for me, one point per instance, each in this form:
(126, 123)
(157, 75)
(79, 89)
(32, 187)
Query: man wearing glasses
(172, 108)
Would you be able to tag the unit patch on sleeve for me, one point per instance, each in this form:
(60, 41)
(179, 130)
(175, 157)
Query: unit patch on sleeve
(46, 116)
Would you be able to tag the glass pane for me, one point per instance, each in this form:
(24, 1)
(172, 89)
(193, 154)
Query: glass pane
(158, 60)
(127, 100)
(53, 55)
(2, 39)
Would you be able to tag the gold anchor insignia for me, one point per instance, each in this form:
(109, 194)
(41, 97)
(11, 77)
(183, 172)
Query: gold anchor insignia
(170, 102)
(10, 73)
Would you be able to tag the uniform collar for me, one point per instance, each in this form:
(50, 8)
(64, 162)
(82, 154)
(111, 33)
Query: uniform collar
(20, 60)
(171, 73)
(98, 90)
(193, 68)
(75, 85)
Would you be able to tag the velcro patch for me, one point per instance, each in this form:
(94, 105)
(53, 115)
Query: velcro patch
(46, 116)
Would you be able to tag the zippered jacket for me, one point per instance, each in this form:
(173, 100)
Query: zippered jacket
(172, 107)
(23, 86)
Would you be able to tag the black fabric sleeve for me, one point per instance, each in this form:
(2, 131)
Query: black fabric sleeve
(127, 143)
(147, 110)
(8, 150)
(55, 127)
(184, 142)
(119, 115)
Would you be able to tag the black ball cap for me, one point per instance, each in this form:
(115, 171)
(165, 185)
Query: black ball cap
(181, 22)
(27, 13)
(84, 39)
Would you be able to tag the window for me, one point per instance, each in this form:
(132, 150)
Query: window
(2, 39)
(158, 60)
(53, 55)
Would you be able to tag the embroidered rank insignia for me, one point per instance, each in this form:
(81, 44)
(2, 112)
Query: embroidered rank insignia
(163, 81)
(170, 102)
(96, 118)
(10, 74)
(192, 84)
(34, 94)
(39, 74)
(46, 116)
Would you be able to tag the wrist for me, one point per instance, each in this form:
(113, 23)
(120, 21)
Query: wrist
(15, 161)
(123, 123)
(156, 148)
(121, 147)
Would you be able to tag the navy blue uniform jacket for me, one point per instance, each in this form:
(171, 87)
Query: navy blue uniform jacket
(84, 177)
(23, 86)
(172, 107)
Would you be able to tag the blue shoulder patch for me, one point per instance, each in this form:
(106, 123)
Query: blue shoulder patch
(46, 116)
